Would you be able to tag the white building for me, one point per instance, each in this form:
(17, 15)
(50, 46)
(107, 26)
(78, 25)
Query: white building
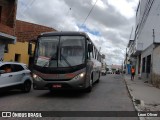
(146, 49)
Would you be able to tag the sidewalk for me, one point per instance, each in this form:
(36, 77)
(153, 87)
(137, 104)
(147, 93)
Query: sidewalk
(145, 97)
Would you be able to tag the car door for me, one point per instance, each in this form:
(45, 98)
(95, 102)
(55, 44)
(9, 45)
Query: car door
(18, 73)
(6, 76)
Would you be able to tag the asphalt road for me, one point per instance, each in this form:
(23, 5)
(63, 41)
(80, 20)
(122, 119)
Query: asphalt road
(110, 94)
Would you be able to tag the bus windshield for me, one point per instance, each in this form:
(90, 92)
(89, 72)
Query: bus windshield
(60, 51)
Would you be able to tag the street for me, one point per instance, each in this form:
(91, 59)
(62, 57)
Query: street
(110, 94)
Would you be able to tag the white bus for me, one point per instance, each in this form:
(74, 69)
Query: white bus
(65, 60)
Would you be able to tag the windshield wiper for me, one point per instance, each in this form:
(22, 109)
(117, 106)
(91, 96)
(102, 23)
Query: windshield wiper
(54, 57)
(47, 63)
(66, 61)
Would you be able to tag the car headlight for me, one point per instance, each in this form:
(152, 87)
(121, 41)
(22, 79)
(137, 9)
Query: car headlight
(36, 77)
(81, 75)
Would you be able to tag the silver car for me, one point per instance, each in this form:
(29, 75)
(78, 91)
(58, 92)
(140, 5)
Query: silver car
(15, 75)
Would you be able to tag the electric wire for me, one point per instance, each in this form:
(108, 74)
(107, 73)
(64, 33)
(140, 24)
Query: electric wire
(145, 15)
(27, 7)
(89, 13)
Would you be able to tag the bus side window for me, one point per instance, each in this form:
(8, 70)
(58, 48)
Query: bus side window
(89, 54)
(90, 50)
(95, 54)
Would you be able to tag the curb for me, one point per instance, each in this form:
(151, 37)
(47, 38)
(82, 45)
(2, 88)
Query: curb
(133, 99)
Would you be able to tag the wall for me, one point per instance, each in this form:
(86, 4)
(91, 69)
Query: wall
(145, 53)
(7, 23)
(156, 67)
(26, 31)
(18, 48)
(152, 22)
(140, 11)
(1, 50)
(8, 16)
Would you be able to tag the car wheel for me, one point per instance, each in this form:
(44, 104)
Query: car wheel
(26, 86)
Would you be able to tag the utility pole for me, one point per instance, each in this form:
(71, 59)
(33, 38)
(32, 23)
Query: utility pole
(99, 49)
(153, 37)
(151, 66)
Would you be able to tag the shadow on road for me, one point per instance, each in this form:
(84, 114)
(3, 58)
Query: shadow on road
(68, 93)
(4, 93)
(64, 94)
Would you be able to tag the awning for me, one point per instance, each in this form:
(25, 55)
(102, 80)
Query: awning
(7, 38)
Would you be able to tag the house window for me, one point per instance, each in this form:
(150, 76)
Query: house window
(139, 63)
(29, 48)
(143, 65)
(17, 57)
(6, 48)
(148, 69)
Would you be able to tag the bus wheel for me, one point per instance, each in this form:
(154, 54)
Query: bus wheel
(97, 81)
(89, 88)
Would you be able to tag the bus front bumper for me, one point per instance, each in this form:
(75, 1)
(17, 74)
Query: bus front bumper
(52, 84)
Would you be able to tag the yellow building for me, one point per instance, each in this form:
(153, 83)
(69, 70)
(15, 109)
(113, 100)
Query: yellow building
(22, 51)
(18, 52)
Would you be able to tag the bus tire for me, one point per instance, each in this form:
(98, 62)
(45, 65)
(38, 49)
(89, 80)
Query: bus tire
(97, 81)
(89, 88)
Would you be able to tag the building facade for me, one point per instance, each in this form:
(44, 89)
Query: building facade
(8, 9)
(145, 48)
(26, 34)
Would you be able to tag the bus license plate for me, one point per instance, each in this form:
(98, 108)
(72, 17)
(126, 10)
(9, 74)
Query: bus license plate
(57, 86)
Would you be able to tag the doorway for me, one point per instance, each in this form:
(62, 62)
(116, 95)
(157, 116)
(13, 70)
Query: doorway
(17, 57)
(148, 67)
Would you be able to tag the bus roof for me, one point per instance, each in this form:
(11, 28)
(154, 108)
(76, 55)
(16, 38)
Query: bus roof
(64, 33)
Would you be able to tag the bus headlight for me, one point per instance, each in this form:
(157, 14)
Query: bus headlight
(36, 77)
(81, 75)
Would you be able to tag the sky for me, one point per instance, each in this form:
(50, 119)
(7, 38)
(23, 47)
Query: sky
(109, 24)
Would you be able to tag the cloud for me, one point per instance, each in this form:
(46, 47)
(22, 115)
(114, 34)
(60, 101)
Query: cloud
(109, 24)
(125, 7)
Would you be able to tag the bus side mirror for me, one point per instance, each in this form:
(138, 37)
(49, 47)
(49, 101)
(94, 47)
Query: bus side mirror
(90, 47)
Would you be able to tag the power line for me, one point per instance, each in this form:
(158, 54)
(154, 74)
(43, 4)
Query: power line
(32, 2)
(131, 34)
(89, 13)
(146, 12)
(27, 6)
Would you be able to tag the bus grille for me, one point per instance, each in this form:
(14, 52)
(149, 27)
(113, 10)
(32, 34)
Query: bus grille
(57, 79)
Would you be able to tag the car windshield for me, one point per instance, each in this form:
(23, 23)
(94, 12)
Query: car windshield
(64, 51)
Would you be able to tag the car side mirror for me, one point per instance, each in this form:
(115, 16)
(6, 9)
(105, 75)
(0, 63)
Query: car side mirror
(90, 47)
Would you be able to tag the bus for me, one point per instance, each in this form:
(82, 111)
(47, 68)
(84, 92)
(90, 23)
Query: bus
(65, 60)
